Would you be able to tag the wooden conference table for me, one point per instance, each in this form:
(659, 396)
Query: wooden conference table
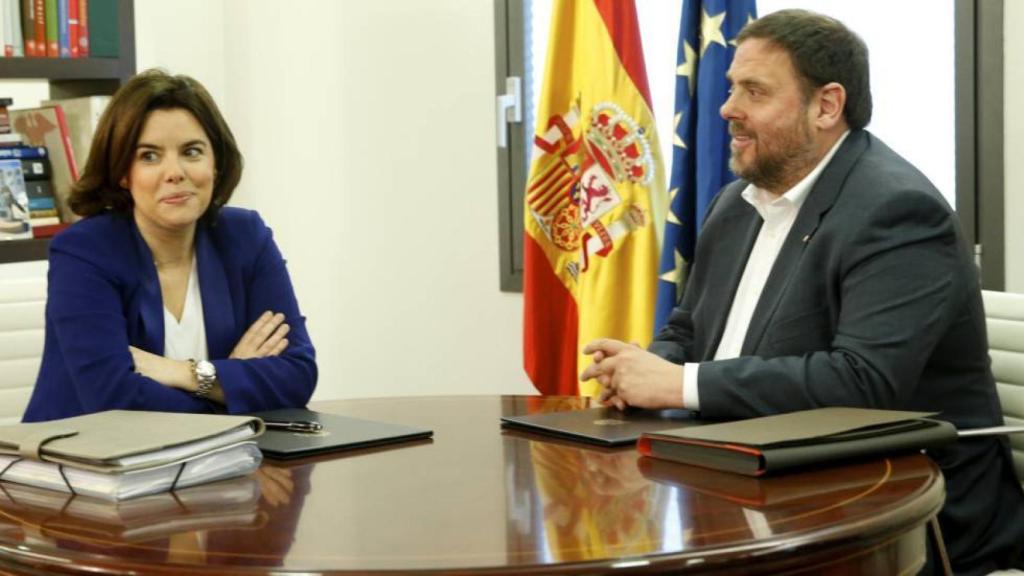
(477, 499)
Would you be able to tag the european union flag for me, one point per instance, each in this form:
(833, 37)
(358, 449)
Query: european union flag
(700, 137)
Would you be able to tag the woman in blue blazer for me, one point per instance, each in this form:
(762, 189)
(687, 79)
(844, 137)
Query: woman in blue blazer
(161, 298)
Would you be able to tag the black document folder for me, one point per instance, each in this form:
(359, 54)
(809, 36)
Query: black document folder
(605, 426)
(770, 444)
(338, 433)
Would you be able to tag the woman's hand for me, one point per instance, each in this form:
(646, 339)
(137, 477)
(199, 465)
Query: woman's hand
(266, 337)
(173, 373)
(276, 485)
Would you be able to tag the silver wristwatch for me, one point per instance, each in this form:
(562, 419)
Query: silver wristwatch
(205, 374)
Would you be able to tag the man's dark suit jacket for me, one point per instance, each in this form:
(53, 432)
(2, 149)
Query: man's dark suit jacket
(873, 301)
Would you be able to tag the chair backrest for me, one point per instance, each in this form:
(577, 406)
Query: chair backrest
(22, 305)
(1004, 314)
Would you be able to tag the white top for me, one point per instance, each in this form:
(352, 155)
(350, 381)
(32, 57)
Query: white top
(778, 214)
(187, 339)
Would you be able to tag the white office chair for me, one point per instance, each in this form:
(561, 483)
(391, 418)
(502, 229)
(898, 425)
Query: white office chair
(22, 304)
(1004, 315)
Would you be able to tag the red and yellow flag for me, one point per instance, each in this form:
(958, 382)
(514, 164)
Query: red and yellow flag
(593, 197)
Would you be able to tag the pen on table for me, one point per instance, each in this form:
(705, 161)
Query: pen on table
(295, 426)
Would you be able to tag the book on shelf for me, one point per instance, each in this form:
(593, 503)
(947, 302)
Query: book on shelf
(6, 50)
(104, 40)
(63, 41)
(52, 40)
(28, 26)
(14, 206)
(39, 18)
(91, 455)
(57, 28)
(83, 28)
(47, 127)
(17, 38)
(35, 168)
(769, 444)
(42, 205)
(73, 29)
(23, 151)
(48, 230)
(82, 116)
(11, 16)
(5, 116)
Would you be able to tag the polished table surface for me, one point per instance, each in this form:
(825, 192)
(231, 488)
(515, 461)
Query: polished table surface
(477, 498)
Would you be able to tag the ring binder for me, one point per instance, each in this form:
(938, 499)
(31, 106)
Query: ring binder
(92, 455)
(60, 468)
(8, 467)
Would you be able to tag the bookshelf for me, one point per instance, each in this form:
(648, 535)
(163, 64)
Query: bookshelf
(71, 78)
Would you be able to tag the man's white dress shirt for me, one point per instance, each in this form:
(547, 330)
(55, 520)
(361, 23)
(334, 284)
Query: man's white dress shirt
(778, 215)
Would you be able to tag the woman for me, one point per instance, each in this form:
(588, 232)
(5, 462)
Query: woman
(161, 298)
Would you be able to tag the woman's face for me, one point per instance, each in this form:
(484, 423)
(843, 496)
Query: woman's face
(172, 172)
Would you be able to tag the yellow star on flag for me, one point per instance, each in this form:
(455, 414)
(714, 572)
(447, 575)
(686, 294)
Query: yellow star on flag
(710, 31)
(689, 66)
(676, 140)
(750, 19)
(675, 275)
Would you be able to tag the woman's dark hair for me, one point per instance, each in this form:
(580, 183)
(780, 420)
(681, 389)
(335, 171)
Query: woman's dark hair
(823, 50)
(113, 146)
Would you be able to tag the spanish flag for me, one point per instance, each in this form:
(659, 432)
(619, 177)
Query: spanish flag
(594, 196)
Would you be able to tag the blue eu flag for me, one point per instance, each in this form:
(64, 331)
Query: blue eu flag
(700, 137)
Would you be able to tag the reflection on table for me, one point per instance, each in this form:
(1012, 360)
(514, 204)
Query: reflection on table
(481, 498)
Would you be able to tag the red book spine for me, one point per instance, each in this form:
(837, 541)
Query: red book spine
(83, 28)
(48, 230)
(39, 18)
(73, 29)
(65, 136)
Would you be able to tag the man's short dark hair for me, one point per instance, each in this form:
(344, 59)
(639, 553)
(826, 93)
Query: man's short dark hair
(823, 50)
(113, 145)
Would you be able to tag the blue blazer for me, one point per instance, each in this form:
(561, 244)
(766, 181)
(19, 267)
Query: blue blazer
(104, 295)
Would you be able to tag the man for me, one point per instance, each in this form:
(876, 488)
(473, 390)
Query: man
(832, 274)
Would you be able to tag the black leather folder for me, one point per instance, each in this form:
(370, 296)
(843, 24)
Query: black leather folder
(605, 426)
(769, 444)
(338, 433)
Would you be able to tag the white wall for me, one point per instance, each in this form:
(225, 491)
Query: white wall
(1013, 142)
(368, 131)
(183, 37)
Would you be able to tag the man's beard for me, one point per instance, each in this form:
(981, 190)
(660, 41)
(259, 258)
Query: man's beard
(779, 167)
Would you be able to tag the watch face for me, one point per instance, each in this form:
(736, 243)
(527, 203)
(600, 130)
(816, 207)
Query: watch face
(205, 370)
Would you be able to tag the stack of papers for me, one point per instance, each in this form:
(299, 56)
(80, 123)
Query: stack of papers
(119, 454)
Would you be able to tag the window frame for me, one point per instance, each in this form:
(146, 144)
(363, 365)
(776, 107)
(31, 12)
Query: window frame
(979, 136)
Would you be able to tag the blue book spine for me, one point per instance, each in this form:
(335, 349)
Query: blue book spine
(7, 152)
(63, 39)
